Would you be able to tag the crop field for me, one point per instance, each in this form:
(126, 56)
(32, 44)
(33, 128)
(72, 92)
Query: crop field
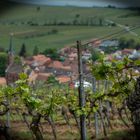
(57, 27)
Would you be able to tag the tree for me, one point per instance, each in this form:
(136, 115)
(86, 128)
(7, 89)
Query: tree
(95, 55)
(38, 8)
(131, 43)
(52, 53)
(101, 22)
(77, 15)
(36, 50)
(52, 80)
(123, 43)
(75, 22)
(137, 46)
(2, 49)
(3, 63)
(17, 60)
(22, 50)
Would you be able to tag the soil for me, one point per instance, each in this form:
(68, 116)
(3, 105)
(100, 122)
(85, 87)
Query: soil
(19, 130)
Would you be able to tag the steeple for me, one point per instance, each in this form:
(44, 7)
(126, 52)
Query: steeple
(10, 50)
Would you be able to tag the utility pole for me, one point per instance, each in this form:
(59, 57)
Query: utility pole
(81, 93)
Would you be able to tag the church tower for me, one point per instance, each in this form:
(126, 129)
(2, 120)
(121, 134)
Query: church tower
(10, 51)
(13, 69)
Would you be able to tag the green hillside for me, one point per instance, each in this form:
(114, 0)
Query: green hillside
(47, 26)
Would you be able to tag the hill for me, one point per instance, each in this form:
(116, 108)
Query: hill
(84, 3)
(52, 26)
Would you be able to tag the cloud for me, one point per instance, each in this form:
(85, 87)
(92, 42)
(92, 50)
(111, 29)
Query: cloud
(121, 3)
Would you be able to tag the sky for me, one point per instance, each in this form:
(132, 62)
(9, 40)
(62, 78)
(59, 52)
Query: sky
(85, 3)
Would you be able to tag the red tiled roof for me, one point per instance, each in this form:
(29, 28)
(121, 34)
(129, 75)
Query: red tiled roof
(56, 64)
(97, 43)
(39, 59)
(127, 51)
(2, 81)
(42, 58)
(43, 76)
(59, 65)
(72, 64)
(63, 79)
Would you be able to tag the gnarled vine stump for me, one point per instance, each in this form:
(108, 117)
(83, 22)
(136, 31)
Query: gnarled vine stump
(133, 103)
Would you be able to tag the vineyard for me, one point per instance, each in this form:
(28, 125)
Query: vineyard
(107, 108)
(51, 111)
(57, 27)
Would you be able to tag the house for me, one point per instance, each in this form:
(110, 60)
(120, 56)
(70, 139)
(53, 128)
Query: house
(135, 55)
(109, 43)
(43, 76)
(72, 56)
(2, 81)
(86, 56)
(63, 79)
(95, 43)
(85, 84)
(73, 65)
(57, 68)
(67, 50)
(40, 61)
(127, 51)
(36, 75)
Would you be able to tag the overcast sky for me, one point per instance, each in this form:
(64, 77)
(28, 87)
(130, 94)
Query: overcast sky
(88, 3)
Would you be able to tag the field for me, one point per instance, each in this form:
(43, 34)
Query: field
(44, 27)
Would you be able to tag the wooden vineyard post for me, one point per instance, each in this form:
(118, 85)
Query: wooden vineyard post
(96, 114)
(81, 93)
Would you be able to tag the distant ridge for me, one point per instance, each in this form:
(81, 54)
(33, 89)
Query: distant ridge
(84, 3)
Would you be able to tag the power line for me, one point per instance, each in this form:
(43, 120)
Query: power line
(113, 34)
(106, 37)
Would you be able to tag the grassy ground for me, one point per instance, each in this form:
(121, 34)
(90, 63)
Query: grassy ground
(20, 131)
(64, 132)
(18, 20)
(120, 135)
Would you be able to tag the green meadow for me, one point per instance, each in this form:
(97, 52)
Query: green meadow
(57, 27)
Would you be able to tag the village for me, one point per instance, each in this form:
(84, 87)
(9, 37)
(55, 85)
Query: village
(40, 67)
